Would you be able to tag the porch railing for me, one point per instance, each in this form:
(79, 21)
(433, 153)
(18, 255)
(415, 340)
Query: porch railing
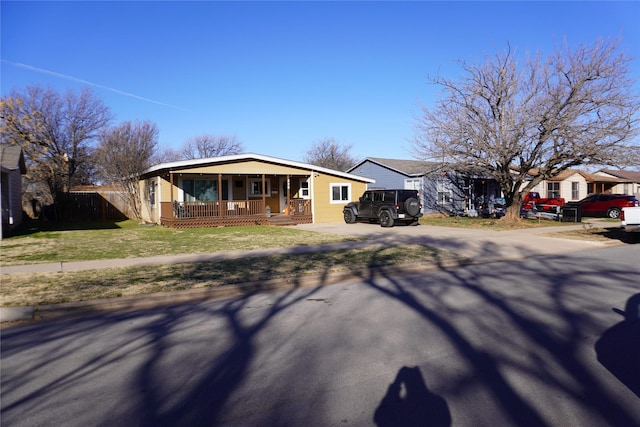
(299, 207)
(228, 209)
(215, 209)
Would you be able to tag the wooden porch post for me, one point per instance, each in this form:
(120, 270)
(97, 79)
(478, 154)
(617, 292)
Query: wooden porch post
(171, 185)
(264, 197)
(171, 194)
(289, 195)
(220, 211)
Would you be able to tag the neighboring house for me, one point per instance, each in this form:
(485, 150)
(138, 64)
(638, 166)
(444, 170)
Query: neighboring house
(440, 190)
(574, 185)
(571, 185)
(617, 181)
(245, 189)
(12, 168)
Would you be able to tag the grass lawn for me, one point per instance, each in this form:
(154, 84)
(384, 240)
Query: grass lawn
(52, 288)
(55, 242)
(487, 223)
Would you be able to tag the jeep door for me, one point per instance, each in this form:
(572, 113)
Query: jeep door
(366, 205)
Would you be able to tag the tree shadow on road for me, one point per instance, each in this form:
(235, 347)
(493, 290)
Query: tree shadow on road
(538, 338)
(184, 363)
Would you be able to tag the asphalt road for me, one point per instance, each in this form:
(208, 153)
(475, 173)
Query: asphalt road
(532, 342)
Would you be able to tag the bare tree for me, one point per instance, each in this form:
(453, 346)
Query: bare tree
(524, 124)
(56, 132)
(330, 154)
(123, 153)
(166, 155)
(205, 146)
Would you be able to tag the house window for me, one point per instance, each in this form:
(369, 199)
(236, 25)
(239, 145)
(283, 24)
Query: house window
(553, 189)
(444, 192)
(444, 197)
(200, 190)
(412, 184)
(255, 187)
(575, 190)
(152, 193)
(340, 193)
(304, 188)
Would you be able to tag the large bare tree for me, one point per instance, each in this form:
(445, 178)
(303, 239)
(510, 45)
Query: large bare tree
(330, 154)
(526, 122)
(205, 146)
(57, 133)
(123, 153)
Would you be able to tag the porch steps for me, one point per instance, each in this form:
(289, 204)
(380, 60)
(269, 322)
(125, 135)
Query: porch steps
(280, 220)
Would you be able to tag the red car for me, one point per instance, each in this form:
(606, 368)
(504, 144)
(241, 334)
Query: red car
(533, 199)
(605, 204)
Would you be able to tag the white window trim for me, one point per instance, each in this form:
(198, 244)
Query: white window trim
(413, 182)
(339, 184)
(153, 185)
(267, 189)
(308, 189)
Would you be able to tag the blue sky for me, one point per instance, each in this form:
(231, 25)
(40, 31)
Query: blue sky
(281, 75)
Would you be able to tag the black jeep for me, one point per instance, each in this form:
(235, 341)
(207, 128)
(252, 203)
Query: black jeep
(386, 207)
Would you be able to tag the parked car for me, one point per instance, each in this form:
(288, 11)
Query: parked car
(533, 200)
(386, 207)
(631, 219)
(605, 204)
(490, 207)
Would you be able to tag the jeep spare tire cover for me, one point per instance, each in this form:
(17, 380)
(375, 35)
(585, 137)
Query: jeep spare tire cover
(412, 206)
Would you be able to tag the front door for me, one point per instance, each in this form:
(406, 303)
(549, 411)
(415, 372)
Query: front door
(283, 188)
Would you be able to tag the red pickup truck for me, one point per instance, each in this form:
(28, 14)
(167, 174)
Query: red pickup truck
(542, 204)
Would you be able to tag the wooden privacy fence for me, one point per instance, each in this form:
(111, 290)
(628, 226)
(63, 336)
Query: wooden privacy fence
(94, 206)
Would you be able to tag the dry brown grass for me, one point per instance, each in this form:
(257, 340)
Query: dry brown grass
(52, 288)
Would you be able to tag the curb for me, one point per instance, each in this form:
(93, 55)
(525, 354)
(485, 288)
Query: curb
(138, 302)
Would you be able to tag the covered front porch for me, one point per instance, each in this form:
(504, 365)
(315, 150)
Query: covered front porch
(206, 200)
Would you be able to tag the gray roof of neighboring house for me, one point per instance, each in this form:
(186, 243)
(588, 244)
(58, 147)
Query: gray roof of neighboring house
(632, 176)
(406, 167)
(11, 158)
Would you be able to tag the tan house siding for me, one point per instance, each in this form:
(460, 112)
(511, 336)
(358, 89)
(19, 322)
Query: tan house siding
(327, 210)
(622, 187)
(565, 183)
(237, 175)
(248, 168)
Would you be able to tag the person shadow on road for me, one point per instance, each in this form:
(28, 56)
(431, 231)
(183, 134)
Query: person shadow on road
(618, 348)
(409, 402)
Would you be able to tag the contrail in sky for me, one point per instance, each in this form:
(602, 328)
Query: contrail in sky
(75, 79)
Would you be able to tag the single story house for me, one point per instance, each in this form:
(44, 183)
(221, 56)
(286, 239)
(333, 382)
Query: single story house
(617, 181)
(245, 189)
(12, 167)
(441, 190)
(574, 185)
(571, 185)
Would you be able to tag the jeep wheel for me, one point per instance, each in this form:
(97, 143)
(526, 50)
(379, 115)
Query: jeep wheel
(385, 219)
(349, 217)
(614, 213)
(412, 206)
